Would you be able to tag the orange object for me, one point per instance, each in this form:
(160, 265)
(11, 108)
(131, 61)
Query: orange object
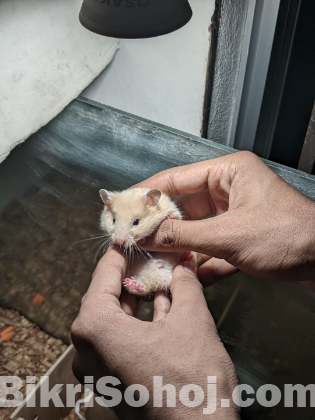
(7, 336)
(7, 333)
(38, 299)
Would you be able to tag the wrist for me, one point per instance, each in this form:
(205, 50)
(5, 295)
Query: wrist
(190, 397)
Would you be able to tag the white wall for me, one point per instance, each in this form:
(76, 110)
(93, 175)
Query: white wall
(47, 59)
(162, 79)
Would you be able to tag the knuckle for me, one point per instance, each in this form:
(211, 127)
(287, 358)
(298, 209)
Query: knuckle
(76, 331)
(83, 331)
(167, 178)
(245, 154)
(168, 235)
(249, 159)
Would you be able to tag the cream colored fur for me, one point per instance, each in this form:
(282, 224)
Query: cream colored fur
(151, 208)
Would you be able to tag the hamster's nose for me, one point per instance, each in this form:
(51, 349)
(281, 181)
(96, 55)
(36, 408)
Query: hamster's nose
(120, 241)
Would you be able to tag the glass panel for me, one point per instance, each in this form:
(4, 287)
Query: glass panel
(50, 202)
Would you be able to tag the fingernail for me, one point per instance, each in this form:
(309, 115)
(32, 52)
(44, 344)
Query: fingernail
(189, 266)
(142, 242)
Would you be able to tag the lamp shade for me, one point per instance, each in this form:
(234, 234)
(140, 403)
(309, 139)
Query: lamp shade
(134, 18)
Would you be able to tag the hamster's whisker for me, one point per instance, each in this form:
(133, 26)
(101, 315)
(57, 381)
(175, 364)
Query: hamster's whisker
(124, 250)
(128, 253)
(139, 253)
(145, 252)
(107, 243)
(90, 239)
(98, 250)
(135, 256)
(142, 252)
(136, 249)
(104, 245)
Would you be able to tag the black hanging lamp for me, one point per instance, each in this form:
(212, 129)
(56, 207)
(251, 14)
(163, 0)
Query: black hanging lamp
(134, 18)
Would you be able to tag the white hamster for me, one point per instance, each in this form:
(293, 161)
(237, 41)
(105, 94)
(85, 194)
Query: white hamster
(130, 216)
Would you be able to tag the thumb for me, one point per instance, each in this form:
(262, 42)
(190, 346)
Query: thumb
(217, 236)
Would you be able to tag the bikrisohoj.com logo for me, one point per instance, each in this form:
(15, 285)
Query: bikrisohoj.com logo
(164, 394)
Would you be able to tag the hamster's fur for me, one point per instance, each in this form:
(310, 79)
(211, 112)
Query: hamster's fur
(130, 216)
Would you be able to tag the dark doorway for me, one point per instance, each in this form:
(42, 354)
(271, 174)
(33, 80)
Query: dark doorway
(290, 88)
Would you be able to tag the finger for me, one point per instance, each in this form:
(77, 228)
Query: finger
(128, 303)
(219, 236)
(107, 279)
(202, 258)
(215, 270)
(162, 306)
(186, 290)
(196, 206)
(187, 179)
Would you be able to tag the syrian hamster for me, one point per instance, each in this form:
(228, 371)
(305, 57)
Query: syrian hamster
(130, 216)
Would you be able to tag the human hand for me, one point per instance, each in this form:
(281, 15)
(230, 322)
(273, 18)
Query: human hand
(181, 344)
(263, 226)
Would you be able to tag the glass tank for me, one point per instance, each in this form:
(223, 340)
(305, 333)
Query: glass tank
(49, 242)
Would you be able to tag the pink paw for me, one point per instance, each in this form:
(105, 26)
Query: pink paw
(171, 216)
(160, 265)
(133, 284)
(186, 256)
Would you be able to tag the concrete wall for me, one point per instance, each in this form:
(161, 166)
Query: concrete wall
(162, 79)
(229, 51)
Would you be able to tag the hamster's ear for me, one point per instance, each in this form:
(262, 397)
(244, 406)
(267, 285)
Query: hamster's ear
(152, 197)
(106, 196)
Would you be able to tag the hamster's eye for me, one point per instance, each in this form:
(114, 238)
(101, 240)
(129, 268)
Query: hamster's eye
(114, 220)
(136, 222)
